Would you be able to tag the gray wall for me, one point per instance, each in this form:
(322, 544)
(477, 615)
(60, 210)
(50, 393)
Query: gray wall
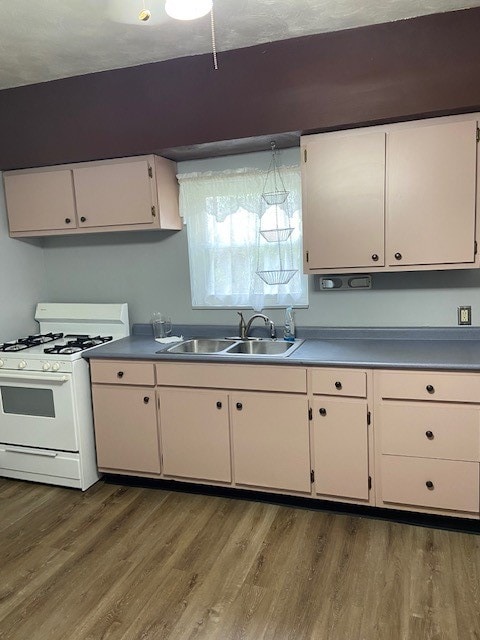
(22, 280)
(150, 271)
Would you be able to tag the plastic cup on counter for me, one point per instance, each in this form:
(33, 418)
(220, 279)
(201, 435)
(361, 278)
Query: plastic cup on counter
(161, 324)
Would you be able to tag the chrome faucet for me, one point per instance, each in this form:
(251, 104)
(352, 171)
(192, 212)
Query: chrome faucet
(244, 328)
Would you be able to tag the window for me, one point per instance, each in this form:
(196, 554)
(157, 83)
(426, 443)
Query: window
(224, 213)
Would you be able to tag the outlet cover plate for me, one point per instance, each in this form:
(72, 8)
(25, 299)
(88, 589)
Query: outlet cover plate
(464, 315)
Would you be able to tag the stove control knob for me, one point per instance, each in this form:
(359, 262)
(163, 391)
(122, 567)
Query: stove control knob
(22, 364)
(55, 366)
(46, 366)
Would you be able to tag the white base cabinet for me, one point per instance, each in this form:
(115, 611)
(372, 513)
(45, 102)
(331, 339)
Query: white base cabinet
(195, 434)
(427, 439)
(271, 447)
(340, 436)
(224, 431)
(407, 440)
(125, 417)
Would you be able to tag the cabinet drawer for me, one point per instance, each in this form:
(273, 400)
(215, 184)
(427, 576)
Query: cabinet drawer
(339, 382)
(425, 385)
(237, 376)
(453, 485)
(46, 463)
(122, 372)
(430, 430)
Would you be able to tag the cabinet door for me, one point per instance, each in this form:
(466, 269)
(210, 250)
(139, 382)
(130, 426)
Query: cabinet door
(126, 431)
(343, 200)
(341, 447)
(40, 201)
(271, 445)
(195, 435)
(431, 173)
(114, 194)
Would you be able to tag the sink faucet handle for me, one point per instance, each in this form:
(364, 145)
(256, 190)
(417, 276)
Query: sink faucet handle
(242, 327)
(273, 331)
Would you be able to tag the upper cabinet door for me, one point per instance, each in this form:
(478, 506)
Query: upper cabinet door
(343, 200)
(431, 173)
(114, 194)
(42, 200)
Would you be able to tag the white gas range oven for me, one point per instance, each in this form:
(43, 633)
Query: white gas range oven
(46, 423)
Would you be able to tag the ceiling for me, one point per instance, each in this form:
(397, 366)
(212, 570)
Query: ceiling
(42, 41)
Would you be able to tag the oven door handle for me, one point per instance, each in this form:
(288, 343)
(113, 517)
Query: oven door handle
(32, 452)
(33, 377)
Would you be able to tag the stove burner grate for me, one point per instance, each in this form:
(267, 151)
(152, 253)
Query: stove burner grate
(30, 341)
(79, 343)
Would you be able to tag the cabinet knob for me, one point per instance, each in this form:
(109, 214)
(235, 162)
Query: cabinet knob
(67, 220)
(83, 219)
(430, 388)
(239, 406)
(429, 434)
(219, 405)
(375, 257)
(120, 374)
(338, 385)
(429, 484)
(146, 400)
(398, 256)
(322, 412)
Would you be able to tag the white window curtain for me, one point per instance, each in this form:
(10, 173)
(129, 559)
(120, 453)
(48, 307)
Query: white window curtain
(223, 212)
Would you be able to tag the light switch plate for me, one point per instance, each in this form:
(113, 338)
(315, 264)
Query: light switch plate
(464, 315)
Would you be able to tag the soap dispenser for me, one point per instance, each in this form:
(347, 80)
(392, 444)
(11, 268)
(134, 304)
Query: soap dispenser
(289, 330)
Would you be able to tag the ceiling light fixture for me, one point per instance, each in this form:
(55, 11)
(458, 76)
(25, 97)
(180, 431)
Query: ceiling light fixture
(145, 14)
(188, 9)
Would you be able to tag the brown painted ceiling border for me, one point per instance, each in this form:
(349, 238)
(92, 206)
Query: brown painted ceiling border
(425, 66)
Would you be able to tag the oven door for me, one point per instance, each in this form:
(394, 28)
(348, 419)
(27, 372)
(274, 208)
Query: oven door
(37, 410)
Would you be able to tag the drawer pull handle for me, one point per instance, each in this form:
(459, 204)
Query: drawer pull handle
(219, 405)
(323, 412)
(338, 385)
(67, 220)
(146, 399)
(120, 374)
(398, 256)
(430, 388)
(429, 484)
(429, 434)
(239, 406)
(83, 219)
(375, 257)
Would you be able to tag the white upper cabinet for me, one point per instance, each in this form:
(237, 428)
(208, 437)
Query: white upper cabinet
(40, 201)
(124, 194)
(431, 175)
(114, 194)
(344, 200)
(391, 198)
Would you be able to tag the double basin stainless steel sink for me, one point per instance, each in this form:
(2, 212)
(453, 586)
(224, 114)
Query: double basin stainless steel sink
(235, 347)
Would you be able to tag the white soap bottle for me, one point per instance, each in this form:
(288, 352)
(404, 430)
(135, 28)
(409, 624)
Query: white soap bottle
(289, 330)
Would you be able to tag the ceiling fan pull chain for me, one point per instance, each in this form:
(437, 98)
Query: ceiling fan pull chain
(214, 45)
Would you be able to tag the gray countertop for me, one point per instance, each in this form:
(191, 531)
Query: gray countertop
(446, 349)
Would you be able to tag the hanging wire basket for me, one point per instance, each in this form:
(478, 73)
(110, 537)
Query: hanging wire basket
(277, 276)
(275, 197)
(277, 235)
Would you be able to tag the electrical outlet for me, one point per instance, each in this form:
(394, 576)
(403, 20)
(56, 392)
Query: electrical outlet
(464, 315)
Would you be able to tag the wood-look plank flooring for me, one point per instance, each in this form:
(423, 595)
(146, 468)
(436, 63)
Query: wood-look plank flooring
(129, 563)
